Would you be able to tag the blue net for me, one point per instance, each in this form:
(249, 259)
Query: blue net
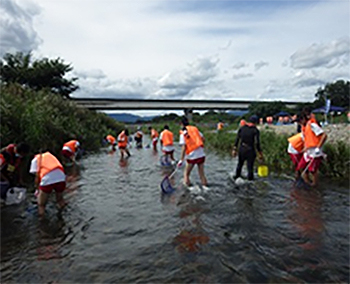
(166, 185)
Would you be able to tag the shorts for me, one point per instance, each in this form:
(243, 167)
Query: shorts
(296, 158)
(58, 187)
(168, 152)
(122, 147)
(197, 161)
(67, 154)
(314, 164)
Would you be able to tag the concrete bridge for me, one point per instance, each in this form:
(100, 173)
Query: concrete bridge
(140, 104)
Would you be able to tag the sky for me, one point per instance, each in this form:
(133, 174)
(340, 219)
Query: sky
(173, 49)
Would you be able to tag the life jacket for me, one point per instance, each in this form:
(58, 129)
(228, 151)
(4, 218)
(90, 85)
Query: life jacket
(220, 126)
(10, 162)
(242, 122)
(297, 142)
(154, 133)
(138, 134)
(72, 145)
(110, 139)
(47, 163)
(167, 138)
(193, 139)
(122, 139)
(310, 138)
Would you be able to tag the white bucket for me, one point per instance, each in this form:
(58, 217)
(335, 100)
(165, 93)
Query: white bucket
(15, 195)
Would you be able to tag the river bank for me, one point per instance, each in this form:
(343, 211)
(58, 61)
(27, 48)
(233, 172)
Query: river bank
(335, 132)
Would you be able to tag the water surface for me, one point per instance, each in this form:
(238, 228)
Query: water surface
(119, 228)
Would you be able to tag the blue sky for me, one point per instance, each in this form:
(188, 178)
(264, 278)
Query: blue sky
(254, 50)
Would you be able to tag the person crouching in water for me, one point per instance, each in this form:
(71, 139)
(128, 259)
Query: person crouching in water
(154, 137)
(192, 142)
(249, 138)
(111, 141)
(123, 140)
(70, 151)
(167, 142)
(49, 176)
(314, 138)
(12, 166)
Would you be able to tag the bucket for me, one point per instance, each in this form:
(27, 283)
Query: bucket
(263, 171)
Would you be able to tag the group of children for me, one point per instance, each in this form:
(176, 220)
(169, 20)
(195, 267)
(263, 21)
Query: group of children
(191, 142)
(305, 148)
(47, 168)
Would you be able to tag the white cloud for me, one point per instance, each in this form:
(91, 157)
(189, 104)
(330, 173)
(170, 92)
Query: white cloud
(17, 33)
(327, 55)
(240, 65)
(187, 49)
(260, 64)
(180, 83)
(242, 76)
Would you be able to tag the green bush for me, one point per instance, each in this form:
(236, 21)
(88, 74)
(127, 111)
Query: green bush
(46, 121)
(274, 147)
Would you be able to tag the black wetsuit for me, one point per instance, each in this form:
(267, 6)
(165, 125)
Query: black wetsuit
(249, 136)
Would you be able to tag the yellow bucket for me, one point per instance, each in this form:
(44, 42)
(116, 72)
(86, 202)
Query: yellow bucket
(263, 171)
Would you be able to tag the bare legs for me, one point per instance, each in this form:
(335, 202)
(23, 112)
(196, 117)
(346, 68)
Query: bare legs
(188, 170)
(42, 200)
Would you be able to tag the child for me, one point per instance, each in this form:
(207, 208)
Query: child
(167, 142)
(49, 176)
(192, 142)
(123, 141)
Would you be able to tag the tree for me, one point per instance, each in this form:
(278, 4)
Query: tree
(41, 74)
(263, 109)
(338, 93)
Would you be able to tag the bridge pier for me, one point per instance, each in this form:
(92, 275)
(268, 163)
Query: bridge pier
(188, 113)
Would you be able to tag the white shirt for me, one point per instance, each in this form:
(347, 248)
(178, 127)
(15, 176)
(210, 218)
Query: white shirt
(77, 144)
(291, 149)
(50, 178)
(196, 154)
(167, 148)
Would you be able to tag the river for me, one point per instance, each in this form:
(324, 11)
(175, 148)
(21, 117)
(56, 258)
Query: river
(119, 228)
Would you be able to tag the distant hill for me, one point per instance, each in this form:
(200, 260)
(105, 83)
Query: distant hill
(129, 118)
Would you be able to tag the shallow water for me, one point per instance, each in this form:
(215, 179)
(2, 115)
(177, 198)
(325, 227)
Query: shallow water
(119, 228)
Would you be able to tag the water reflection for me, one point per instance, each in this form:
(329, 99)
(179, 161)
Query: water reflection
(49, 237)
(192, 236)
(306, 217)
(72, 178)
(119, 228)
(123, 162)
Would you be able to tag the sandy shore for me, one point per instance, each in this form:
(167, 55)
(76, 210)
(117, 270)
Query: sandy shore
(335, 132)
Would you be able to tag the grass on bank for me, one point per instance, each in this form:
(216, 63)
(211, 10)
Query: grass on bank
(274, 147)
(46, 121)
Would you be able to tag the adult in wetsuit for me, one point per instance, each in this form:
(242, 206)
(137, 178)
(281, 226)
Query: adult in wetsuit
(249, 138)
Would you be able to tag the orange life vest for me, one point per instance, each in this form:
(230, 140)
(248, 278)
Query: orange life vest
(138, 134)
(154, 133)
(193, 139)
(110, 139)
(71, 145)
(167, 138)
(46, 163)
(297, 142)
(310, 138)
(122, 139)
(220, 126)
